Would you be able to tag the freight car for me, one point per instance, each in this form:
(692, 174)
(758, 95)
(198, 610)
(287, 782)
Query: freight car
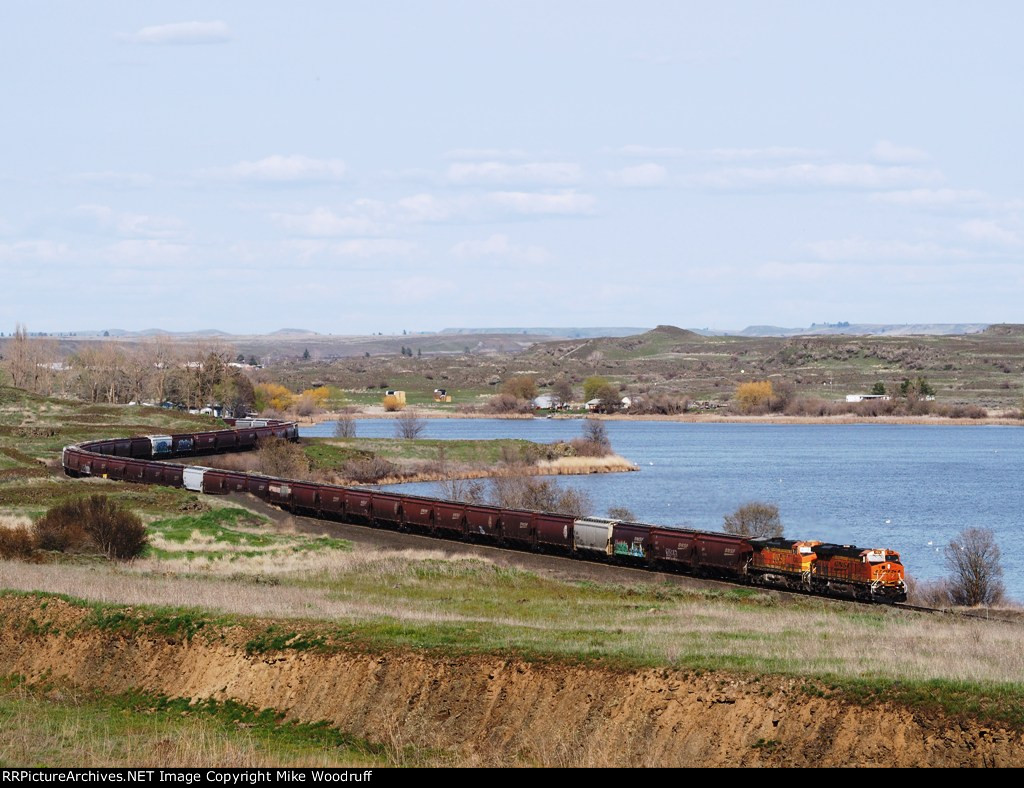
(807, 566)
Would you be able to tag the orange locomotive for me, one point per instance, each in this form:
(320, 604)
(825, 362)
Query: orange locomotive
(839, 570)
(863, 574)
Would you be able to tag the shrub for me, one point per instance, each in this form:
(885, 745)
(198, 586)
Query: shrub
(409, 425)
(16, 542)
(272, 395)
(393, 404)
(93, 524)
(520, 387)
(928, 593)
(544, 495)
(756, 518)
(507, 403)
(660, 404)
(279, 457)
(369, 471)
(754, 397)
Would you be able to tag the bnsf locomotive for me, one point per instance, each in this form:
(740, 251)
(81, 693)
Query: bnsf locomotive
(809, 566)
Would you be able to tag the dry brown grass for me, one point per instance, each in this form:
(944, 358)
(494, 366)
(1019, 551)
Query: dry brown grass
(646, 623)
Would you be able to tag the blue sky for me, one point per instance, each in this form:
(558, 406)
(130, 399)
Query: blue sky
(353, 168)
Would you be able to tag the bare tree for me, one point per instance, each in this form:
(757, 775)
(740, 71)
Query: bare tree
(409, 425)
(542, 495)
(30, 361)
(756, 518)
(561, 391)
(345, 427)
(973, 558)
(595, 432)
(621, 513)
(462, 490)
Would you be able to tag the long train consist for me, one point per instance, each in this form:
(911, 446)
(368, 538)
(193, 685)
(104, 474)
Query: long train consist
(809, 566)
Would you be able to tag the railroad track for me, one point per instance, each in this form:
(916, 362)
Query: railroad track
(627, 547)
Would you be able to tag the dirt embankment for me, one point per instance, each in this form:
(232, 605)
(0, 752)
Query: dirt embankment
(497, 710)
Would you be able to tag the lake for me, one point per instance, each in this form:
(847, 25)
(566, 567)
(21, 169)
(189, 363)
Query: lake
(907, 487)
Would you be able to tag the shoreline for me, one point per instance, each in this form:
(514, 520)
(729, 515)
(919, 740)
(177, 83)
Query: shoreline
(687, 418)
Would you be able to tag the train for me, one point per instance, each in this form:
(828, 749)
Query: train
(809, 566)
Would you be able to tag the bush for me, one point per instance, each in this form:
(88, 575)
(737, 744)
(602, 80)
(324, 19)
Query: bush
(756, 518)
(660, 405)
(393, 404)
(507, 403)
(16, 543)
(928, 593)
(409, 425)
(93, 524)
(754, 397)
(543, 495)
(369, 471)
(520, 387)
(283, 458)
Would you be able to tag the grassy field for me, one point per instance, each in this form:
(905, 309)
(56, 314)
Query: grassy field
(424, 600)
(62, 726)
(211, 563)
(333, 453)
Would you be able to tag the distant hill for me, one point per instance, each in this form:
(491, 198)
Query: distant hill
(663, 340)
(858, 329)
(1006, 329)
(293, 332)
(569, 332)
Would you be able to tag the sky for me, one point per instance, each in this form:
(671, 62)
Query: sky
(359, 167)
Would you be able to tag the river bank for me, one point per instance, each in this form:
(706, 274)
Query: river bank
(377, 412)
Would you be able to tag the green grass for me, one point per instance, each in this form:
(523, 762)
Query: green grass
(228, 533)
(52, 725)
(333, 453)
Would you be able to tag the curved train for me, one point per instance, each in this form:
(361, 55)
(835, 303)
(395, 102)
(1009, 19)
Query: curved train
(808, 566)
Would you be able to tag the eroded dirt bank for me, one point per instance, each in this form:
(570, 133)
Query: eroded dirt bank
(493, 709)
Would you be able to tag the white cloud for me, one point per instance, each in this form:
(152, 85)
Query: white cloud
(499, 246)
(819, 176)
(652, 152)
(929, 198)
(325, 222)
(283, 169)
(777, 153)
(425, 208)
(484, 154)
(891, 153)
(768, 153)
(114, 179)
(34, 251)
(881, 251)
(568, 203)
(990, 232)
(496, 172)
(362, 248)
(640, 176)
(179, 33)
(145, 252)
(131, 225)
